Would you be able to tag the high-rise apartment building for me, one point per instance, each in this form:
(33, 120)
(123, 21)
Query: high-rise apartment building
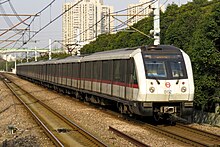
(85, 21)
(136, 12)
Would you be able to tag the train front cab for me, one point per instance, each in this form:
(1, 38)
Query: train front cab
(169, 84)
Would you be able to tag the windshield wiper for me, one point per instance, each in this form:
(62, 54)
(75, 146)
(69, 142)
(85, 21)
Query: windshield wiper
(158, 82)
(178, 80)
(154, 77)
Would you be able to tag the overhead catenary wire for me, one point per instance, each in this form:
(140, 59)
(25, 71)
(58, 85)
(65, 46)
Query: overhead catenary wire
(123, 23)
(80, 33)
(15, 12)
(26, 41)
(51, 22)
(7, 20)
(126, 22)
(4, 2)
(36, 15)
(132, 7)
(14, 26)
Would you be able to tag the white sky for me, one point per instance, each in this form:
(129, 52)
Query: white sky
(54, 31)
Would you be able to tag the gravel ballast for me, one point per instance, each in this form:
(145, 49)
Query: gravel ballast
(95, 121)
(17, 127)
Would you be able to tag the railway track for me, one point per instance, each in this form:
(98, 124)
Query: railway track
(128, 137)
(187, 135)
(182, 134)
(62, 131)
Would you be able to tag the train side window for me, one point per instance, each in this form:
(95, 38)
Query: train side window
(116, 70)
(88, 70)
(60, 70)
(83, 70)
(56, 70)
(77, 65)
(122, 72)
(70, 70)
(106, 70)
(65, 70)
(97, 70)
(74, 70)
(135, 76)
(131, 74)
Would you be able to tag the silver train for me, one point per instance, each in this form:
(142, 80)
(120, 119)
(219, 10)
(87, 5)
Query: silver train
(146, 81)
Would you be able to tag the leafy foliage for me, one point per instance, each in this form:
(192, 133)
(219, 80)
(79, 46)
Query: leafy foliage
(195, 28)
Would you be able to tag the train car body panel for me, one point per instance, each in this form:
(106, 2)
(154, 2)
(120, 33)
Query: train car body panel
(147, 81)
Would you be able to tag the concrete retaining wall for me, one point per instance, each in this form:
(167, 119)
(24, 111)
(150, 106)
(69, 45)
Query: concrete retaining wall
(206, 118)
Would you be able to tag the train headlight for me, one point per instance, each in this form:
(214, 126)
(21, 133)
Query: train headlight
(183, 89)
(152, 89)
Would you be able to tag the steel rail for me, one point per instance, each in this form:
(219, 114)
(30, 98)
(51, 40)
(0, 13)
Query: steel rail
(129, 138)
(178, 136)
(56, 140)
(198, 131)
(47, 131)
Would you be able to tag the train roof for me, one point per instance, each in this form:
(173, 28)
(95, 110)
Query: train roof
(70, 59)
(54, 61)
(124, 53)
(161, 49)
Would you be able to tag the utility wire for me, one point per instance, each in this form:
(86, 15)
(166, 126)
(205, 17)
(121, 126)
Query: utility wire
(103, 18)
(132, 7)
(123, 23)
(14, 11)
(4, 2)
(51, 22)
(36, 15)
(7, 20)
(126, 22)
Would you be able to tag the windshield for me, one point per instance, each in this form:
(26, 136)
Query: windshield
(176, 69)
(165, 68)
(155, 69)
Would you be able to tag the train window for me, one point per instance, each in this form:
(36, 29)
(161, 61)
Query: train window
(88, 70)
(97, 70)
(123, 64)
(107, 70)
(60, 70)
(165, 68)
(119, 70)
(116, 75)
(155, 69)
(70, 70)
(83, 70)
(75, 70)
(176, 69)
(64, 70)
(77, 66)
(131, 74)
(54, 69)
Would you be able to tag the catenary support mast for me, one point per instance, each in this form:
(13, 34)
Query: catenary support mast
(156, 8)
